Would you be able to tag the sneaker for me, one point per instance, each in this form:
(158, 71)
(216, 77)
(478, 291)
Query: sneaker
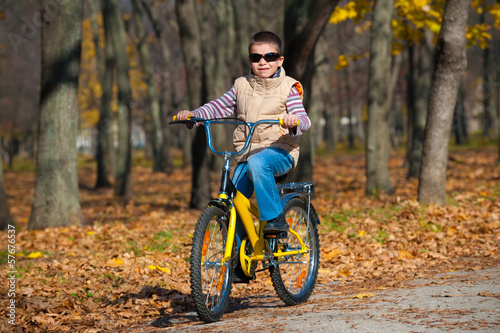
(240, 277)
(276, 225)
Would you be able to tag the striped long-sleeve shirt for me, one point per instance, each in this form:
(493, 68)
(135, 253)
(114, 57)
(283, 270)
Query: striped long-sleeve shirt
(225, 106)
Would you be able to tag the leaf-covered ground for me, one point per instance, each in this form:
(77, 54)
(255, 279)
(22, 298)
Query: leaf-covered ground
(129, 267)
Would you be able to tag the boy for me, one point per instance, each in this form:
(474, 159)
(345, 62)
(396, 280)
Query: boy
(266, 93)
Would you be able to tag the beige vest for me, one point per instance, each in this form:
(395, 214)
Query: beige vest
(257, 99)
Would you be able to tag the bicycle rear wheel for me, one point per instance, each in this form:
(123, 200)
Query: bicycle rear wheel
(211, 280)
(295, 276)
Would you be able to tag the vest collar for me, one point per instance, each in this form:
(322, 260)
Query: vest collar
(257, 82)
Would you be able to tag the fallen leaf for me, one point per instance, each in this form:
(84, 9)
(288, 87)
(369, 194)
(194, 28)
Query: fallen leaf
(363, 295)
(403, 254)
(34, 255)
(114, 262)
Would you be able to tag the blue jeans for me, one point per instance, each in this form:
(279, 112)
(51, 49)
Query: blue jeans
(257, 174)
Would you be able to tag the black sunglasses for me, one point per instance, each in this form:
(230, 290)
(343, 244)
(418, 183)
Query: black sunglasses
(271, 56)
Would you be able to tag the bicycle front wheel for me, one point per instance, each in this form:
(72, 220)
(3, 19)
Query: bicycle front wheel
(294, 277)
(211, 279)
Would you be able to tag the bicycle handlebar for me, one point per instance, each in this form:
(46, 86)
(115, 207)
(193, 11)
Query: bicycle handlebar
(193, 120)
(207, 122)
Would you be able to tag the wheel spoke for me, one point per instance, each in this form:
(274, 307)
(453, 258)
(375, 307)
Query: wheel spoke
(295, 276)
(210, 284)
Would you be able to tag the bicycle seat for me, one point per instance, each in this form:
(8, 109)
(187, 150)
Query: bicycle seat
(280, 179)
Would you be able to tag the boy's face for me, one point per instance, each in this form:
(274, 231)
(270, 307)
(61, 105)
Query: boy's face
(263, 68)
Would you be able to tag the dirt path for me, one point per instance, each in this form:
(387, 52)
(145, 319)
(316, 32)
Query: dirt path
(459, 301)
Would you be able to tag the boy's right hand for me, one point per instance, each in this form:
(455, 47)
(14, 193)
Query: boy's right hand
(184, 114)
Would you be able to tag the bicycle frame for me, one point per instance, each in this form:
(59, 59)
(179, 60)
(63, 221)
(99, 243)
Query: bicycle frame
(236, 204)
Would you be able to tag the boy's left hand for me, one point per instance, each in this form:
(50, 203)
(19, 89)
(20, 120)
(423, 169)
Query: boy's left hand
(290, 120)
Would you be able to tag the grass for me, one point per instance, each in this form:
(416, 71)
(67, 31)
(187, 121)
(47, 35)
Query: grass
(161, 241)
(340, 221)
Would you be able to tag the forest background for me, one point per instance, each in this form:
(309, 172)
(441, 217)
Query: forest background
(90, 166)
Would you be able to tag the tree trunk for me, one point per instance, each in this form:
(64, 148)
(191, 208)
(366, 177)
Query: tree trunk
(299, 46)
(105, 146)
(55, 201)
(395, 113)
(379, 104)
(350, 128)
(154, 102)
(459, 126)
(218, 61)
(94, 11)
(111, 12)
(487, 87)
(498, 94)
(421, 67)
(5, 217)
(241, 17)
(451, 61)
(167, 83)
(191, 49)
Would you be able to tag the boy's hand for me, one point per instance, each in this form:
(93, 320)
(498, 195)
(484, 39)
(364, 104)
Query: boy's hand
(290, 120)
(184, 114)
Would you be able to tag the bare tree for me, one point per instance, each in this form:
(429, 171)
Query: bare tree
(420, 85)
(379, 101)
(190, 41)
(105, 148)
(56, 202)
(451, 61)
(300, 41)
(498, 96)
(154, 102)
(167, 84)
(113, 21)
(5, 217)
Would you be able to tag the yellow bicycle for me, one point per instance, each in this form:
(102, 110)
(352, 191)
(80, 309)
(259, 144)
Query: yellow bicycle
(292, 257)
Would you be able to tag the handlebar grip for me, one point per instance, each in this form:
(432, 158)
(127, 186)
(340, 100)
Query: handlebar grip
(191, 120)
(282, 123)
(174, 118)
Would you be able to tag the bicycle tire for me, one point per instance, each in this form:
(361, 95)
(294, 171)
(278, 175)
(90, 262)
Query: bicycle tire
(210, 281)
(294, 281)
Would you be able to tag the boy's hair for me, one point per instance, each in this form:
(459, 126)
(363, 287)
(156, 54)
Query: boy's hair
(265, 37)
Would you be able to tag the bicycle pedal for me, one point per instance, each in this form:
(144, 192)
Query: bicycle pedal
(280, 235)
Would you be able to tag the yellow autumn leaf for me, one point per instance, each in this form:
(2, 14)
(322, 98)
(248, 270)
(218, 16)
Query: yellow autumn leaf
(345, 272)
(164, 269)
(363, 295)
(342, 62)
(403, 254)
(420, 3)
(190, 235)
(361, 233)
(34, 255)
(114, 262)
(332, 254)
(118, 261)
(90, 232)
(159, 268)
